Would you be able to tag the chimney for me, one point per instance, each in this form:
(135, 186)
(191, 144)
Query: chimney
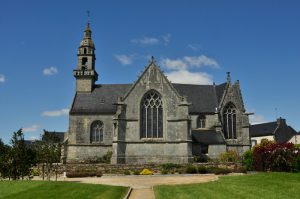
(281, 121)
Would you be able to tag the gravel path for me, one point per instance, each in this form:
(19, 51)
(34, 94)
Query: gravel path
(142, 186)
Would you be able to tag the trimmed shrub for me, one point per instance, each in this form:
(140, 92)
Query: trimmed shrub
(248, 160)
(83, 174)
(136, 172)
(169, 168)
(164, 171)
(191, 169)
(229, 156)
(146, 172)
(218, 170)
(202, 169)
(126, 172)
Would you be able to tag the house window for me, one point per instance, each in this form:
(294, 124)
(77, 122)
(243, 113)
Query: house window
(201, 121)
(97, 132)
(229, 121)
(151, 115)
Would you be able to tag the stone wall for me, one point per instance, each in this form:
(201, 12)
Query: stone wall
(121, 168)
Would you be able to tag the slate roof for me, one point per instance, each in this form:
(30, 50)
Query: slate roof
(284, 134)
(281, 131)
(202, 97)
(207, 137)
(264, 129)
(59, 135)
(101, 100)
(220, 91)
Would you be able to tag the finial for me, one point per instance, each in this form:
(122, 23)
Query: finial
(152, 60)
(88, 15)
(228, 77)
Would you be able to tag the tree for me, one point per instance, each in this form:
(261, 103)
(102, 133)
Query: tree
(49, 151)
(4, 160)
(22, 158)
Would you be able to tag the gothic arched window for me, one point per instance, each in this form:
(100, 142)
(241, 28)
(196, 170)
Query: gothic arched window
(151, 115)
(201, 121)
(97, 132)
(229, 121)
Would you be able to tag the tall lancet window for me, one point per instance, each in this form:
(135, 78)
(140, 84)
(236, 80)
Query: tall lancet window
(201, 121)
(229, 121)
(151, 115)
(97, 132)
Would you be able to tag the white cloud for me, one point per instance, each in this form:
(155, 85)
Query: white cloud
(184, 76)
(145, 41)
(56, 113)
(175, 64)
(125, 59)
(32, 128)
(50, 71)
(200, 61)
(194, 47)
(189, 62)
(257, 119)
(2, 78)
(166, 38)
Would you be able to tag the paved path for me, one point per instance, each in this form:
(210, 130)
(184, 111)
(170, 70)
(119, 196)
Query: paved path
(142, 193)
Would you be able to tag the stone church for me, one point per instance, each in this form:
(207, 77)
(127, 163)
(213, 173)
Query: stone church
(151, 120)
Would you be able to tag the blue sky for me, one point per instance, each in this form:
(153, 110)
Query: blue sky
(194, 41)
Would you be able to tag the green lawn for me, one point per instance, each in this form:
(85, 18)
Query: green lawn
(57, 190)
(262, 185)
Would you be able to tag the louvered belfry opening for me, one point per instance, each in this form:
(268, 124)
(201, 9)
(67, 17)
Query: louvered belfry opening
(152, 115)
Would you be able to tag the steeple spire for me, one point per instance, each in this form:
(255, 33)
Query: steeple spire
(88, 32)
(85, 72)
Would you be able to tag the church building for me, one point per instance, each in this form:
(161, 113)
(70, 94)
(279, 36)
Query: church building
(151, 120)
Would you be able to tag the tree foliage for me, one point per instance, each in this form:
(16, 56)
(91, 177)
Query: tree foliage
(17, 159)
(48, 152)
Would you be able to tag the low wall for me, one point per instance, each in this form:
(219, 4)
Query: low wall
(121, 168)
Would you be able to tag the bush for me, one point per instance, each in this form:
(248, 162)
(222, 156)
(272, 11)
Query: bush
(146, 172)
(34, 172)
(218, 170)
(136, 172)
(169, 168)
(83, 174)
(296, 163)
(273, 157)
(164, 171)
(191, 169)
(126, 172)
(248, 160)
(229, 156)
(202, 169)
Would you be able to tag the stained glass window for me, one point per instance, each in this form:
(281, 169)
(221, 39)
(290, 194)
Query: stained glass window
(97, 132)
(151, 115)
(229, 121)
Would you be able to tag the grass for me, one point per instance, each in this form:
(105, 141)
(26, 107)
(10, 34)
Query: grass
(58, 190)
(261, 185)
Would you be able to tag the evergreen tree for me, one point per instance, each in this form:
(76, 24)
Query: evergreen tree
(22, 157)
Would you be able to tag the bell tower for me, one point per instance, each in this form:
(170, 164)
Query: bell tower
(85, 72)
